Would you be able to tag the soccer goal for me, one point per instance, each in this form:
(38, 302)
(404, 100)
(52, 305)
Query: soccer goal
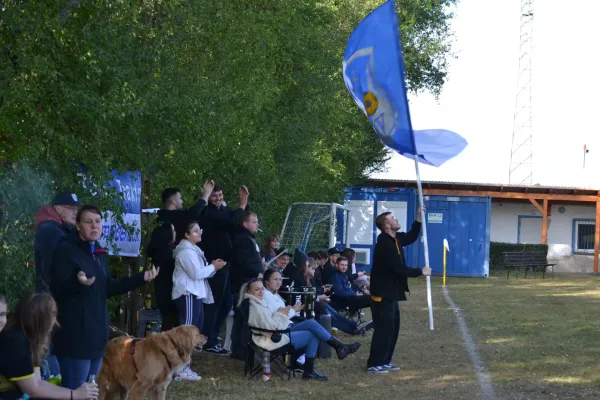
(314, 226)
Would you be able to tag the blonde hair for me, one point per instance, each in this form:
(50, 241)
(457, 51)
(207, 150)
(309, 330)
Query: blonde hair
(245, 287)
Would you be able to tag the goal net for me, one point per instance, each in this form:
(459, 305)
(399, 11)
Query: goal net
(314, 226)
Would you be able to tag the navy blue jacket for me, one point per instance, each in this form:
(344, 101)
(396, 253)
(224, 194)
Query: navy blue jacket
(341, 286)
(82, 310)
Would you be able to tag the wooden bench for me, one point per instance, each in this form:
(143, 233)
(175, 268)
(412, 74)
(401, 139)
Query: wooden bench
(533, 260)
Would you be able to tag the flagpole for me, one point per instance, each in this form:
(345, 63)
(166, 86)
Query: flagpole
(416, 158)
(425, 242)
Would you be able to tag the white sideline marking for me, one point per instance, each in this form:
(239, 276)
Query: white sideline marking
(485, 382)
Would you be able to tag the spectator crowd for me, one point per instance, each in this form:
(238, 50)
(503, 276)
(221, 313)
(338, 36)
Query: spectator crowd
(206, 263)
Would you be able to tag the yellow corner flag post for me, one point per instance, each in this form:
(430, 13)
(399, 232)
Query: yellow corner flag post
(446, 248)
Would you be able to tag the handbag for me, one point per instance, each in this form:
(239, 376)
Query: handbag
(276, 337)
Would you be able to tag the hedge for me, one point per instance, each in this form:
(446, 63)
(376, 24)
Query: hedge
(497, 248)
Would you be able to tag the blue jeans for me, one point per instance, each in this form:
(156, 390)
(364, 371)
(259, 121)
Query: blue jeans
(307, 335)
(339, 321)
(49, 367)
(76, 372)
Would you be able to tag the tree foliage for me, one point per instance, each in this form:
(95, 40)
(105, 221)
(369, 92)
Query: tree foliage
(244, 91)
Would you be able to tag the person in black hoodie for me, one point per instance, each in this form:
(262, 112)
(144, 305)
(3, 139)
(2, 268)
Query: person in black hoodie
(160, 250)
(246, 264)
(80, 284)
(219, 223)
(389, 285)
(292, 271)
(174, 212)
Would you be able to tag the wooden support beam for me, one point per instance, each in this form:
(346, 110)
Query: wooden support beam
(537, 205)
(545, 222)
(509, 195)
(597, 237)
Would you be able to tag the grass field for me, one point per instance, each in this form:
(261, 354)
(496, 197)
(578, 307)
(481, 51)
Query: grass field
(536, 338)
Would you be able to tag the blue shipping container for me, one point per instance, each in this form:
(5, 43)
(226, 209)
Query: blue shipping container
(463, 221)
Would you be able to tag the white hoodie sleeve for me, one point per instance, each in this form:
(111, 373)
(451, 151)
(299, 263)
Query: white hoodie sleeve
(193, 265)
(262, 317)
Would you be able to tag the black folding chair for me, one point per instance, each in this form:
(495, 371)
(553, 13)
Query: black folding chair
(278, 362)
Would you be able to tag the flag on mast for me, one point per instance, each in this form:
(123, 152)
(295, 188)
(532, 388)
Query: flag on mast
(374, 74)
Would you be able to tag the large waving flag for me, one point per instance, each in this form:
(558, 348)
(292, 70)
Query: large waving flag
(374, 74)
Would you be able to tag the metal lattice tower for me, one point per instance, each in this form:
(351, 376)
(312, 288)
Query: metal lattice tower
(521, 153)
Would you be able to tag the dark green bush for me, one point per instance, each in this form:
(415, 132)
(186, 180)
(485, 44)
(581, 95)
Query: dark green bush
(497, 248)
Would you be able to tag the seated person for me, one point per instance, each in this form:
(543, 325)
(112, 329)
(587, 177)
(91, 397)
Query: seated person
(329, 268)
(322, 305)
(305, 335)
(320, 258)
(290, 273)
(272, 282)
(343, 295)
(357, 279)
(23, 347)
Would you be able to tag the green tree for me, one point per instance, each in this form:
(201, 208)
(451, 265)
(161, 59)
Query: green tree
(245, 91)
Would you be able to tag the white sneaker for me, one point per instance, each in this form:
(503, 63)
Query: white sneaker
(378, 370)
(187, 375)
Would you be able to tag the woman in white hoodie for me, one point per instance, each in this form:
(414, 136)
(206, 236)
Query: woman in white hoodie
(190, 288)
(307, 339)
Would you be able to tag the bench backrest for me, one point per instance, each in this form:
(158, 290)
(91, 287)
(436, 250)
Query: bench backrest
(525, 258)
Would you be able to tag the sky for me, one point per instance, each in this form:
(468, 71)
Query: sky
(478, 99)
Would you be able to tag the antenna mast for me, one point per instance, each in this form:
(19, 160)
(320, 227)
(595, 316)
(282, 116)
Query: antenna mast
(521, 153)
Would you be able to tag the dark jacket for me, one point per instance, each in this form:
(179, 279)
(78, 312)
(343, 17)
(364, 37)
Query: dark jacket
(50, 230)
(327, 273)
(246, 262)
(82, 310)
(390, 272)
(160, 250)
(318, 279)
(180, 218)
(219, 226)
(341, 286)
(351, 277)
(293, 274)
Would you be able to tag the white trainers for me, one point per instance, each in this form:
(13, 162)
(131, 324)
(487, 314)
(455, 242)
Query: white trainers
(187, 375)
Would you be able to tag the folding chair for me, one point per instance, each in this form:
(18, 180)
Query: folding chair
(278, 362)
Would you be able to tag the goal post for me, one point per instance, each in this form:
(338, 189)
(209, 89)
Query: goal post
(314, 226)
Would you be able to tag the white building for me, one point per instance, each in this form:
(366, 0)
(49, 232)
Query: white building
(567, 219)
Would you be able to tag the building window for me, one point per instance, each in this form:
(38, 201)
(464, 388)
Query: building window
(584, 236)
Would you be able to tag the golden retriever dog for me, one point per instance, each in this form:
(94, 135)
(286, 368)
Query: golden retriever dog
(133, 368)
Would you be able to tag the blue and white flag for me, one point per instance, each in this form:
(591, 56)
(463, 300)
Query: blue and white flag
(374, 74)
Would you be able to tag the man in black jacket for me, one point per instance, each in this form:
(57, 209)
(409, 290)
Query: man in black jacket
(389, 285)
(174, 213)
(219, 223)
(53, 222)
(246, 264)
